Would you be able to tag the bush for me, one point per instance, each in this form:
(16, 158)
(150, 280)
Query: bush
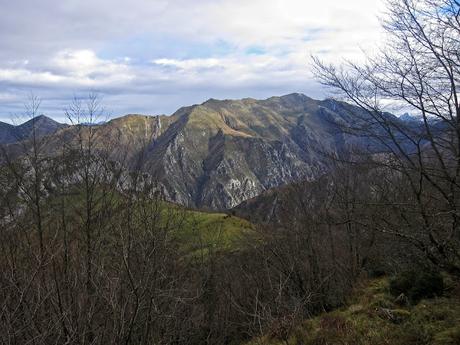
(417, 284)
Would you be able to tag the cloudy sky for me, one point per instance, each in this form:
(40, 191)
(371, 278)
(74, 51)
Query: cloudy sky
(153, 56)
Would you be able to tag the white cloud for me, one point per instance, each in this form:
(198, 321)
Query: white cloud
(85, 66)
(26, 76)
(78, 62)
(280, 24)
(190, 63)
(77, 68)
(8, 97)
(231, 71)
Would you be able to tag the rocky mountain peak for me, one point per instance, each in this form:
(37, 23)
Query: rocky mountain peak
(41, 125)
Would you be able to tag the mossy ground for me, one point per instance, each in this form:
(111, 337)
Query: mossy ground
(372, 317)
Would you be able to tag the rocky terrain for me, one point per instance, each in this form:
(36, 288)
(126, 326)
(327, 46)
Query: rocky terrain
(220, 153)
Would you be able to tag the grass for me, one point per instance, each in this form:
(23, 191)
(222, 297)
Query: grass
(203, 231)
(372, 317)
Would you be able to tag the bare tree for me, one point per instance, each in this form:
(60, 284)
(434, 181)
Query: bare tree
(419, 69)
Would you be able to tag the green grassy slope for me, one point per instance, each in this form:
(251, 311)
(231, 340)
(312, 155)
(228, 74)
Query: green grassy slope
(204, 231)
(372, 318)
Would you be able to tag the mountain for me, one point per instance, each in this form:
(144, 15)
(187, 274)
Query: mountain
(406, 117)
(220, 153)
(7, 133)
(43, 126)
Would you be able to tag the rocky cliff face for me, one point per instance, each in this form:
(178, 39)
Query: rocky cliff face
(220, 153)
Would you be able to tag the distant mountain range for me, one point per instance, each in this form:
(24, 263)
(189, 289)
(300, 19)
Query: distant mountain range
(222, 152)
(43, 126)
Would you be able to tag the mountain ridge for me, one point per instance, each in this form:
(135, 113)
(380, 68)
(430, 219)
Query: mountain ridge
(219, 153)
(41, 124)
